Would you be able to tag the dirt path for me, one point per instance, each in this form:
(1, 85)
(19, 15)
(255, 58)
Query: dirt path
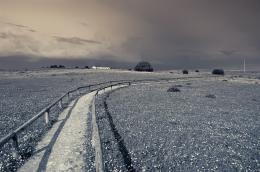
(62, 148)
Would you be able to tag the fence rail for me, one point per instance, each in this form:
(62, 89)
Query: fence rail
(46, 111)
(99, 164)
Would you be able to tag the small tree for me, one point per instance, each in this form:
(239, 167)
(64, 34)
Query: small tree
(54, 66)
(185, 71)
(218, 72)
(144, 67)
(173, 89)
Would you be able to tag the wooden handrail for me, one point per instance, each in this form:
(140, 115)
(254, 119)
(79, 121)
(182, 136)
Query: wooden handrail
(13, 135)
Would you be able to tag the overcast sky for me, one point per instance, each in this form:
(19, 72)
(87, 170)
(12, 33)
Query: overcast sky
(168, 33)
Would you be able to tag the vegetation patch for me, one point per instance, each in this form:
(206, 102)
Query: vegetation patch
(178, 86)
(174, 89)
(212, 96)
(144, 67)
(218, 72)
(185, 72)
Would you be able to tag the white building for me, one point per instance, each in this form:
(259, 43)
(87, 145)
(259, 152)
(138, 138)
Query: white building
(102, 68)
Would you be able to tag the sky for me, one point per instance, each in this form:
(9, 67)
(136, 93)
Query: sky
(170, 34)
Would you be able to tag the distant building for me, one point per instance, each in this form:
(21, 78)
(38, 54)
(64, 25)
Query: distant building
(102, 68)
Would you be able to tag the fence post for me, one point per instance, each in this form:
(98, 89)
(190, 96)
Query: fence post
(68, 96)
(47, 116)
(60, 104)
(15, 146)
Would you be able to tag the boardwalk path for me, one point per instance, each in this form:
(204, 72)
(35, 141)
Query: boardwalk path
(62, 148)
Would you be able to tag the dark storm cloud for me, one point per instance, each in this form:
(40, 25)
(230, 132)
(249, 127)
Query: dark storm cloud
(3, 35)
(197, 33)
(10, 35)
(16, 25)
(32, 30)
(19, 42)
(76, 40)
(167, 33)
(19, 26)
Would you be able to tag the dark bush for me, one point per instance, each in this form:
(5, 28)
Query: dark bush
(86, 67)
(144, 67)
(185, 71)
(76, 67)
(178, 86)
(212, 96)
(53, 66)
(57, 66)
(197, 71)
(173, 89)
(218, 72)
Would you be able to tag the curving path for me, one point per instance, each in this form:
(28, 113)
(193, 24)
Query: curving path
(63, 147)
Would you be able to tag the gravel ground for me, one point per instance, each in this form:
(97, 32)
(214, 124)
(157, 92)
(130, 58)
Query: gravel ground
(191, 130)
(24, 94)
(112, 157)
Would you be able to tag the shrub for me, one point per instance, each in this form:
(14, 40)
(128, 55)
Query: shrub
(53, 66)
(185, 71)
(218, 72)
(212, 96)
(144, 67)
(86, 67)
(57, 66)
(178, 86)
(197, 71)
(173, 89)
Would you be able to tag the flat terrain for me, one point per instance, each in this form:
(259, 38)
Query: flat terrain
(144, 127)
(23, 94)
(209, 125)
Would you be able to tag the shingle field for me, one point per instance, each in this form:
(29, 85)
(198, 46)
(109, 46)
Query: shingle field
(207, 126)
(24, 93)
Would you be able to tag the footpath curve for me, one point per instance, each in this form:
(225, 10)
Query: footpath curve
(62, 148)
